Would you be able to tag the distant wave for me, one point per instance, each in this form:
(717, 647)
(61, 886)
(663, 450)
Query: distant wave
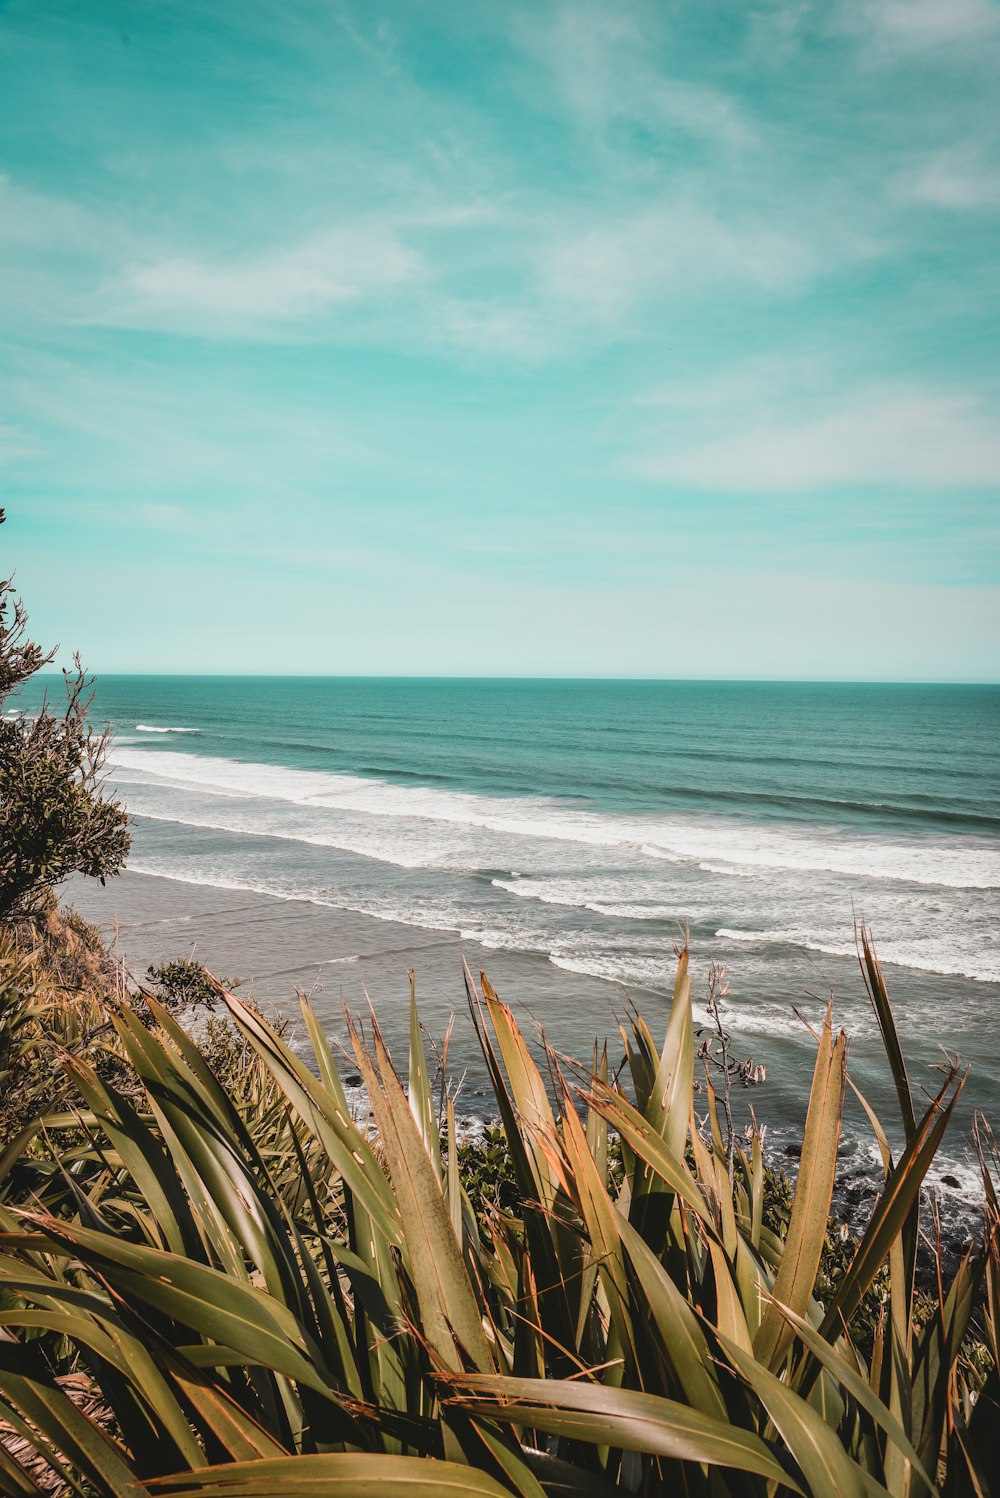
(213, 879)
(924, 810)
(424, 826)
(157, 728)
(595, 895)
(929, 956)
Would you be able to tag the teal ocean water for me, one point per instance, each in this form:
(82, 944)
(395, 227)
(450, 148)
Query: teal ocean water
(590, 824)
(593, 820)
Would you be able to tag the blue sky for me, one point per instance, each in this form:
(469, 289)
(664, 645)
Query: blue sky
(574, 339)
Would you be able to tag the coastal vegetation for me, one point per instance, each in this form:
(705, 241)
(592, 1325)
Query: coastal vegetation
(218, 1279)
(55, 820)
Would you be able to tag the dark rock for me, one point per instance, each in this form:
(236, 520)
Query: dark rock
(352, 1079)
(951, 1181)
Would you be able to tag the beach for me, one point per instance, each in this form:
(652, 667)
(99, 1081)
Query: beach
(278, 948)
(567, 837)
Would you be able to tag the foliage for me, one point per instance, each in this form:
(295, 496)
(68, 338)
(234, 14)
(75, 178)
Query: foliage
(55, 819)
(185, 982)
(254, 1295)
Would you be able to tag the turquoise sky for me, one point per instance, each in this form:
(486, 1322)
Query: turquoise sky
(504, 338)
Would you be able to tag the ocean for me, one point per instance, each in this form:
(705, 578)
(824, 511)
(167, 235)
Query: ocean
(590, 826)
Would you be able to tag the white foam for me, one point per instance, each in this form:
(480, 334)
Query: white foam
(500, 941)
(622, 910)
(591, 886)
(788, 938)
(157, 728)
(930, 954)
(213, 879)
(734, 847)
(569, 893)
(603, 897)
(655, 971)
(347, 839)
(729, 846)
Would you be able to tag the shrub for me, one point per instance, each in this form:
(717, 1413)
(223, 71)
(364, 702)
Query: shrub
(55, 819)
(183, 983)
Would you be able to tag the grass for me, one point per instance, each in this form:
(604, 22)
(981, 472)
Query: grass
(215, 1281)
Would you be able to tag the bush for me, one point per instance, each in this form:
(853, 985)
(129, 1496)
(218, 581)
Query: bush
(184, 983)
(55, 819)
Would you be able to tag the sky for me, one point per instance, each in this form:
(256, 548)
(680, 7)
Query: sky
(504, 339)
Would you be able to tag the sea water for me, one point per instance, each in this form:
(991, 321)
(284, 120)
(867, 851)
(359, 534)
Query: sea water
(596, 824)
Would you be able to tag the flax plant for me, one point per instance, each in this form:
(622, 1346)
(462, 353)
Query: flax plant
(258, 1293)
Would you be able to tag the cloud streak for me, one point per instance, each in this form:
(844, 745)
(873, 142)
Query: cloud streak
(958, 179)
(917, 25)
(894, 439)
(293, 283)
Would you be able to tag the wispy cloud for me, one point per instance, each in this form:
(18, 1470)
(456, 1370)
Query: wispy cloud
(139, 441)
(916, 25)
(581, 290)
(607, 269)
(957, 179)
(606, 61)
(901, 438)
(51, 249)
(240, 293)
(65, 262)
(493, 328)
(15, 444)
(159, 517)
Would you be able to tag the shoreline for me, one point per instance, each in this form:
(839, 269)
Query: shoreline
(275, 946)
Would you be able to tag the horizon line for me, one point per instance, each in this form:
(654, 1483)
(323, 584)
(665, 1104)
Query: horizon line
(856, 681)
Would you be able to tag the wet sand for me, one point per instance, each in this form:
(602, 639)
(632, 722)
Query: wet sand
(277, 947)
(340, 958)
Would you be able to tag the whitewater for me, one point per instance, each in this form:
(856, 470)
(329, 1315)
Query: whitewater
(934, 897)
(573, 834)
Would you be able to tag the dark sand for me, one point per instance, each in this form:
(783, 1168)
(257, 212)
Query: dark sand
(336, 957)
